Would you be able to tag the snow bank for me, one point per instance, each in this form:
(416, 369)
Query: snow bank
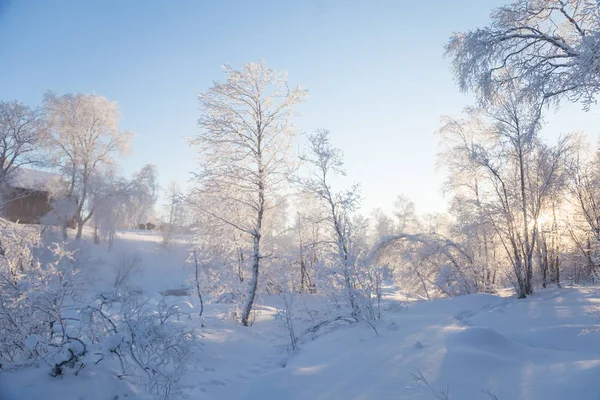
(515, 349)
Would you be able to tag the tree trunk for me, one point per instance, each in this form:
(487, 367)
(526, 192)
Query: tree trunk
(96, 235)
(557, 266)
(111, 238)
(302, 274)
(528, 281)
(304, 278)
(63, 229)
(343, 252)
(256, 239)
(79, 230)
(555, 246)
(198, 292)
(518, 268)
(521, 286)
(543, 259)
(253, 282)
(241, 261)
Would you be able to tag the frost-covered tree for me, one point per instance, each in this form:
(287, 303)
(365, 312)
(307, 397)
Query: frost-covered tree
(310, 234)
(245, 141)
(114, 200)
(549, 242)
(324, 162)
(467, 184)
(84, 141)
(22, 133)
(174, 213)
(514, 174)
(426, 265)
(551, 46)
(107, 201)
(406, 216)
(381, 225)
(222, 252)
(144, 189)
(583, 220)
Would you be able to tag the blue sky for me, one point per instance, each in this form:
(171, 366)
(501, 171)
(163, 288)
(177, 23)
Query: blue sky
(375, 71)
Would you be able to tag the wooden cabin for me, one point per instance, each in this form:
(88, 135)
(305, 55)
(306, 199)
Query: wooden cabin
(28, 196)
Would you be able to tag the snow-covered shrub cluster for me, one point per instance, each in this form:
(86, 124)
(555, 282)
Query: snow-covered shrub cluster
(149, 339)
(50, 316)
(38, 287)
(126, 265)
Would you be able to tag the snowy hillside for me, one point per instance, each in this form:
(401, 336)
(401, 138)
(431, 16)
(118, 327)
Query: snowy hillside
(542, 347)
(515, 349)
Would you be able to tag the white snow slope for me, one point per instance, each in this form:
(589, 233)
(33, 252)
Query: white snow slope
(543, 347)
(515, 349)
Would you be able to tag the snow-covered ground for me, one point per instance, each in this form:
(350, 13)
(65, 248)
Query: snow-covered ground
(515, 349)
(543, 347)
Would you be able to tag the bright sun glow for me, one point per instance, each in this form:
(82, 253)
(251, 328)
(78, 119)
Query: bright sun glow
(543, 219)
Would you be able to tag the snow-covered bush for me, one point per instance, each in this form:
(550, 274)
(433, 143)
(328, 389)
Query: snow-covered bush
(150, 341)
(125, 266)
(427, 266)
(219, 277)
(369, 285)
(38, 286)
(47, 318)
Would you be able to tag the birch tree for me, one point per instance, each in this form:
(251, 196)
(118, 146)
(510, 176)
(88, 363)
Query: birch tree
(311, 238)
(85, 139)
(551, 46)
(324, 161)
(518, 175)
(467, 183)
(584, 222)
(244, 144)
